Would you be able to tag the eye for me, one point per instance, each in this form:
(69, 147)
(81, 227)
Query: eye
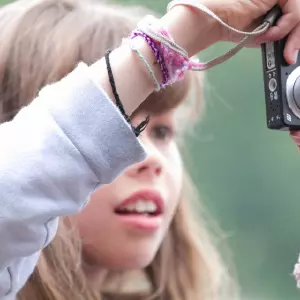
(162, 132)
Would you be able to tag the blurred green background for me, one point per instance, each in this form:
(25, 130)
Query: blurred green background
(248, 176)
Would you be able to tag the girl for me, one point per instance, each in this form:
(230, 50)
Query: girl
(79, 140)
(112, 235)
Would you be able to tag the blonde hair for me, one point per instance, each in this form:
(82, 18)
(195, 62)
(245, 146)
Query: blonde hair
(41, 41)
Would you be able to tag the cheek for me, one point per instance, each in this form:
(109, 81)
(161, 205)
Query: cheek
(98, 229)
(92, 217)
(175, 178)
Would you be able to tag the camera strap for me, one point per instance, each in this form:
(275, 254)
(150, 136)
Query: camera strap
(268, 21)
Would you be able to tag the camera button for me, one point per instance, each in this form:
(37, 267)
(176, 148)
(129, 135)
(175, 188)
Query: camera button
(272, 84)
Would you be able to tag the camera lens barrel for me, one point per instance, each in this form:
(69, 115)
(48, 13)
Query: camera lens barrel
(293, 92)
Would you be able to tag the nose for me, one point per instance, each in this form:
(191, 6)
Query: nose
(151, 167)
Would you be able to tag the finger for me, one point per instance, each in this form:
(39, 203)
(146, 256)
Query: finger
(295, 135)
(296, 139)
(292, 46)
(251, 43)
(283, 27)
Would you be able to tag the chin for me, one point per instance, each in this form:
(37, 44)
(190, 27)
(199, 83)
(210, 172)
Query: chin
(125, 255)
(128, 261)
(139, 262)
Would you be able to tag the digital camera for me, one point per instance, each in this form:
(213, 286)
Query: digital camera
(282, 88)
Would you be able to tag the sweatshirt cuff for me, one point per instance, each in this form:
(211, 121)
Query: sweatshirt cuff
(93, 123)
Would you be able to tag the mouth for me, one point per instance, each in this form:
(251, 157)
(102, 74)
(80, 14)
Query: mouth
(142, 210)
(139, 207)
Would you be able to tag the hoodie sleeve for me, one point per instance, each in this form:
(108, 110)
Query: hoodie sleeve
(69, 141)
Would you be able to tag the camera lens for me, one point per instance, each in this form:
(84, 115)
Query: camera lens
(296, 92)
(293, 92)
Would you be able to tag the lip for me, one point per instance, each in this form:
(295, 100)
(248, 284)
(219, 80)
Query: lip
(140, 221)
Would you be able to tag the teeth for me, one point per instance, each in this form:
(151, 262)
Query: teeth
(130, 207)
(151, 207)
(140, 206)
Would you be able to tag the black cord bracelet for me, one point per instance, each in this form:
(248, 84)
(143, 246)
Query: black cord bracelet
(138, 129)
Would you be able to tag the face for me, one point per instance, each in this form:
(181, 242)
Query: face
(125, 222)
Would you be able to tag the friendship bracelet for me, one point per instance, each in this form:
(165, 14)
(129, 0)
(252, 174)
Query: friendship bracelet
(158, 55)
(148, 67)
(113, 86)
(141, 127)
(172, 59)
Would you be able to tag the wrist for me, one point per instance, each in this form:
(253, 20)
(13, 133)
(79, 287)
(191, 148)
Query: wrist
(192, 29)
(133, 82)
(144, 48)
(237, 15)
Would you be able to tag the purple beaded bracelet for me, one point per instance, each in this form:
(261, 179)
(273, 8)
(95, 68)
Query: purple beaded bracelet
(173, 61)
(154, 45)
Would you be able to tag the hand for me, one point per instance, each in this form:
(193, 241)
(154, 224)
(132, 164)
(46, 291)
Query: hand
(288, 24)
(197, 31)
(246, 15)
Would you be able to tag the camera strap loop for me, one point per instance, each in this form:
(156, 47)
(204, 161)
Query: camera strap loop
(267, 23)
